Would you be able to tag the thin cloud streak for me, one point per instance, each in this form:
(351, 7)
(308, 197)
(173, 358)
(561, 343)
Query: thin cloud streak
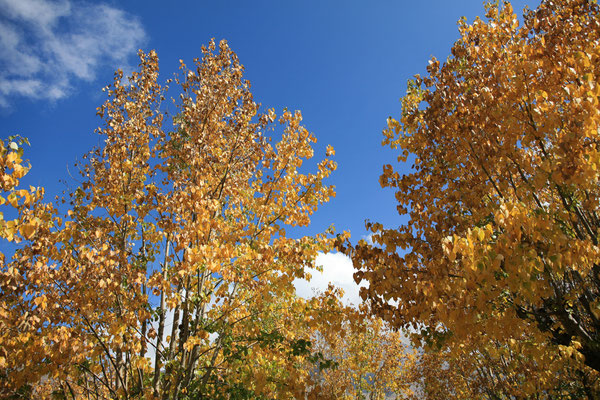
(47, 46)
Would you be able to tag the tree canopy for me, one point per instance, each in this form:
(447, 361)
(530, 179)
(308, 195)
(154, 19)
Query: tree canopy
(166, 271)
(499, 251)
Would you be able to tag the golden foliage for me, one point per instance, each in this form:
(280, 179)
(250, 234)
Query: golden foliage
(170, 276)
(371, 360)
(503, 199)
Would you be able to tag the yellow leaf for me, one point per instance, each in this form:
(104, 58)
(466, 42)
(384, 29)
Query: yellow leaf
(27, 230)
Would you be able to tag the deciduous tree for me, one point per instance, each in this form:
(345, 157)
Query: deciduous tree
(371, 360)
(502, 203)
(170, 276)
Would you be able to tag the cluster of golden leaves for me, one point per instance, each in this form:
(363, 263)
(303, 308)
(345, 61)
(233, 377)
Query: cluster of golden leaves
(374, 361)
(23, 315)
(500, 252)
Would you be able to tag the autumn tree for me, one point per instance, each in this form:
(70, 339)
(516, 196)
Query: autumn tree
(480, 368)
(22, 318)
(371, 361)
(170, 274)
(502, 201)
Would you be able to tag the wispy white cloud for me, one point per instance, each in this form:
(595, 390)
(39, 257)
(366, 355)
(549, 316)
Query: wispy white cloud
(337, 270)
(47, 46)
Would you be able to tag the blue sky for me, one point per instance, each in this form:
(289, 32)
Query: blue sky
(344, 64)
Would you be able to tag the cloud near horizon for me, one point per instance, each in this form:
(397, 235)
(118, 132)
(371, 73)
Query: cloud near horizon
(47, 46)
